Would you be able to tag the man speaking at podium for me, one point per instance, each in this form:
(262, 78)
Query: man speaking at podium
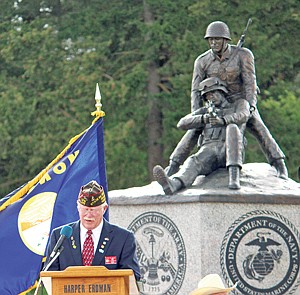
(93, 240)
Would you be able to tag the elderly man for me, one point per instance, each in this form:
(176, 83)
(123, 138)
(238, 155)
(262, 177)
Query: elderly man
(94, 240)
(211, 284)
(236, 66)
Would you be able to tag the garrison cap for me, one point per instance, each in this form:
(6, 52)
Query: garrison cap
(91, 194)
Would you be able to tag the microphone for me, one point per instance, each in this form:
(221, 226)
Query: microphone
(65, 232)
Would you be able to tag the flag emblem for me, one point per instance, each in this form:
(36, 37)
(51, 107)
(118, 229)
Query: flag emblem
(34, 221)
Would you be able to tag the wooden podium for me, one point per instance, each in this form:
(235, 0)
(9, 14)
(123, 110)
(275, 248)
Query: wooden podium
(92, 280)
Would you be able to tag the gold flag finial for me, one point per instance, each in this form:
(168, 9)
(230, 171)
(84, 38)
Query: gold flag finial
(98, 113)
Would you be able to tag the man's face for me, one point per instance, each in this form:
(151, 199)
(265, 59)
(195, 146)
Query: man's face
(91, 217)
(217, 44)
(216, 97)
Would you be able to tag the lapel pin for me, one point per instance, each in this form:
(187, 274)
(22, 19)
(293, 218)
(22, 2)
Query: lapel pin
(73, 243)
(103, 245)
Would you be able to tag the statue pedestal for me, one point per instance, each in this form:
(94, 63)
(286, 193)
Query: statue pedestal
(249, 236)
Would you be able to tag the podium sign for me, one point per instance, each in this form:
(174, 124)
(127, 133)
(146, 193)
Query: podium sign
(92, 280)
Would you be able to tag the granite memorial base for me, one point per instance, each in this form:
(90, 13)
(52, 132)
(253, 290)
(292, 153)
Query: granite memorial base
(250, 237)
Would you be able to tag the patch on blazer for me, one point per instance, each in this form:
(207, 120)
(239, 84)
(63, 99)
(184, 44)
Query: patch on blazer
(110, 259)
(161, 253)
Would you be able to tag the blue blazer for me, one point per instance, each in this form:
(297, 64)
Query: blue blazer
(116, 249)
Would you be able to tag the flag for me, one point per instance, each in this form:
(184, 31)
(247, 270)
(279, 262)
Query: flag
(27, 219)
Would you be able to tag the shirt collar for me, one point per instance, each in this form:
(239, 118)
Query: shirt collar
(96, 231)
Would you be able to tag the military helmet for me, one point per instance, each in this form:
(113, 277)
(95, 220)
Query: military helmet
(211, 84)
(217, 29)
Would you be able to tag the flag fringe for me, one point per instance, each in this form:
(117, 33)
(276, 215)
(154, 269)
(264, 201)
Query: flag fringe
(28, 290)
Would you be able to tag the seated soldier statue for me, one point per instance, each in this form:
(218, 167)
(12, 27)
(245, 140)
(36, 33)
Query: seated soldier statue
(221, 125)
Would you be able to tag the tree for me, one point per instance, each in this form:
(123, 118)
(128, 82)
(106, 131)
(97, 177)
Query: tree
(52, 54)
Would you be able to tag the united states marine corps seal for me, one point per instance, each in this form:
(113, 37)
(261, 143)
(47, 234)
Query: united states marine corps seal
(260, 252)
(161, 253)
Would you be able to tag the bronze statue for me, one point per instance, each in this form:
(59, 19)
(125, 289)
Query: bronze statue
(236, 66)
(221, 125)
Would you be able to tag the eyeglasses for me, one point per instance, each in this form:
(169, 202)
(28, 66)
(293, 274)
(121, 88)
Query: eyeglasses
(94, 211)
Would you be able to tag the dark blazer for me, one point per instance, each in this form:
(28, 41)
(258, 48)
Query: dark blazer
(116, 249)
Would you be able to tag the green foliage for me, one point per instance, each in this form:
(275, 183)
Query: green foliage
(282, 115)
(52, 54)
(280, 112)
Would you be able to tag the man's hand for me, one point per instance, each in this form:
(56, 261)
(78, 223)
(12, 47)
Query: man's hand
(206, 118)
(216, 121)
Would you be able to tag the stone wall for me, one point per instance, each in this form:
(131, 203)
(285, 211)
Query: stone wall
(249, 237)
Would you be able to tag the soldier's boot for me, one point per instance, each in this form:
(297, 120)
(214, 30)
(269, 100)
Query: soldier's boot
(281, 169)
(170, 186)
(234, 177)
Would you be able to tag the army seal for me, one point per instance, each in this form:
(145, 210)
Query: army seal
(161, 253)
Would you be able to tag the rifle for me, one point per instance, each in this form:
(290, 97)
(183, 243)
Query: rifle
(211, 109)
(242, 39)
(240, 43)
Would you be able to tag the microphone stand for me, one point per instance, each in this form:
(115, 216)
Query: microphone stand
(47, 267)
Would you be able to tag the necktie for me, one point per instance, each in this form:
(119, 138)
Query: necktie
(88, 249)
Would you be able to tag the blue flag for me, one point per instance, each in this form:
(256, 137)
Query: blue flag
(26, 223)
